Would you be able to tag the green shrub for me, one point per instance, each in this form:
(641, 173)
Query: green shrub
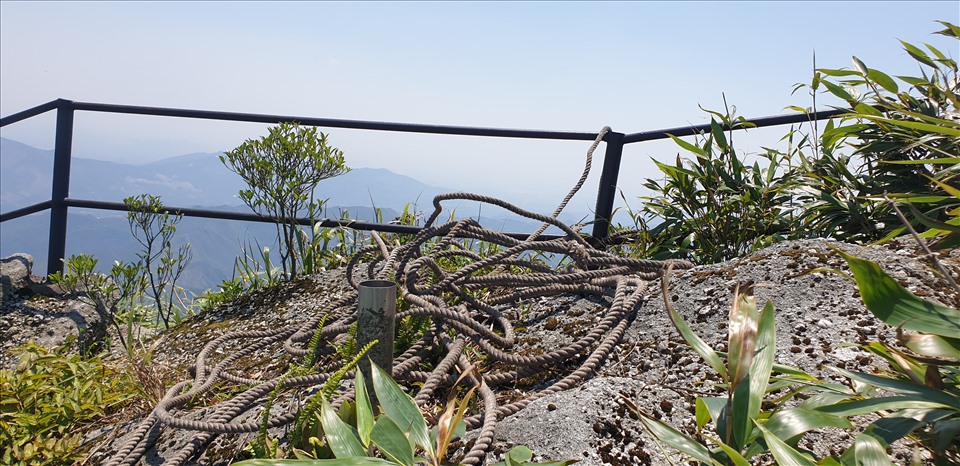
(906, 142)
(282, 171)
(47, 400)
(713, 205)
(154, 228)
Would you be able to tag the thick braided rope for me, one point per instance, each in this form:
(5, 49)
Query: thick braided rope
(477, 321)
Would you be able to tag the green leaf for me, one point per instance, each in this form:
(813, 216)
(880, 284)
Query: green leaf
(868, 451)
(893, 304)
(918, 55)
(401, 409)
(784, 454)
(933, 345)
(763, 362)
(351, 461)
(340, 436)
(937, 161)
(732, 454)
(946, 187)
(695, 342)
(861, 68)
(520, 454)
(932, 223)
(391, 440)
(883, 80)
(928, 127)
(950, 31)
(893, 427)
(913, 390)
(795, 421)
(839, 91)
(718, 135)
(865, 109)
(872, 405)
(945, 433)
(912, 80)
(672, 437)
(365, 419)
(838, 73)
(709, 408)
(687, 146)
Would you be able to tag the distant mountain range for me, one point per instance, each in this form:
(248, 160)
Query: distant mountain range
(193, 180)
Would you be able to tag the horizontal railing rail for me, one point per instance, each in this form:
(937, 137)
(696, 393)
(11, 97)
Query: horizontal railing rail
(60, 200)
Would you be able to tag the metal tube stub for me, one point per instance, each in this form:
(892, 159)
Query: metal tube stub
(376, 311)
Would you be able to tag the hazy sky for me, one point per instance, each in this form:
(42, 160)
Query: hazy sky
(541, 65)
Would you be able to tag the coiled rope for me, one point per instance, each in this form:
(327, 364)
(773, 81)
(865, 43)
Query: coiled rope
(416, 266)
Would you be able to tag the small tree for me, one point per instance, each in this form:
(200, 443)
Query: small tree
(282, 170)
(154, 228)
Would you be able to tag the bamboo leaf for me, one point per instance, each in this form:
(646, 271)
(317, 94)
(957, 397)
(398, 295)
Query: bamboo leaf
(883, 80)
(391, 440)
(365, 416)
(918, 55)
(868, 451)
(861, 68)
(950, 31)
(784, 454)
(401, 409)
(672, 437)
(892, 303)
(692, 339)
(791, 422)
(838, 91)
(932, 223)
(872, 405)
(932, 345)
(687, 146)
(351, 461)
(937, 161)
(709, 408)
(340, 436)
(837, 73)
(928, 127)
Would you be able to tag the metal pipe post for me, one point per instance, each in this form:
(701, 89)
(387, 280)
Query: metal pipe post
(608, 185)
(377, 309)
(61, 187)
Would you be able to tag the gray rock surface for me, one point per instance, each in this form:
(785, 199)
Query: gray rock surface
(816, 312)
(14, 274)
(48, 319)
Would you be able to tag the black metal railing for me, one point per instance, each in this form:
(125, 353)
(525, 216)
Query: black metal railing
(60, 199)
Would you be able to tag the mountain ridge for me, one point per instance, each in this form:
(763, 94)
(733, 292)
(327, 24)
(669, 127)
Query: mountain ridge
(197, 180)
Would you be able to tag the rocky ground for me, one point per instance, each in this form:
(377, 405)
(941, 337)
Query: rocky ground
(816, 312)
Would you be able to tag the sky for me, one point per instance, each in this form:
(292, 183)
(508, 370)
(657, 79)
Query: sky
(576, 66)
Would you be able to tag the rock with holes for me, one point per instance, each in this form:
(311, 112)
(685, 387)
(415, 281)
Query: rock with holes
(14, 274)
(47, 318)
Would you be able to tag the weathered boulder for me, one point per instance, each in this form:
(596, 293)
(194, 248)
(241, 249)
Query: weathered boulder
(47, 318)
(14, 274)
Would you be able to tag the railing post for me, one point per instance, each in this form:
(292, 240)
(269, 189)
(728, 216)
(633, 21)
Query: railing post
(608, 185)
(61, 187)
